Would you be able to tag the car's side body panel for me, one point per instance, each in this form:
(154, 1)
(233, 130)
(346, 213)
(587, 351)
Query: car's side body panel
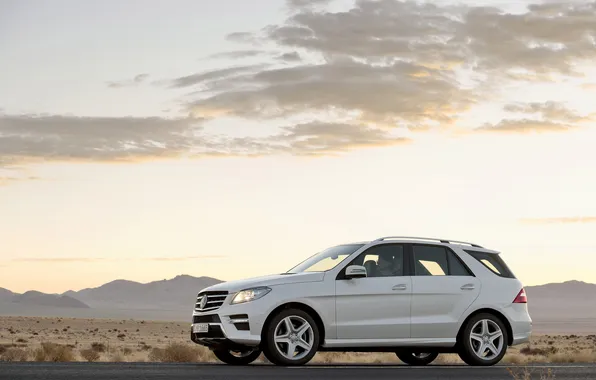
(373, 308)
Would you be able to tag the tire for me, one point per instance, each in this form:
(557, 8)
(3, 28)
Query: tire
(237, 357)
(483, 334)
(280, 337)
(416, 358)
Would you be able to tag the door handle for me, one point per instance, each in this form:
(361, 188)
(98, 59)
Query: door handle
(399, 287)
(468, 287)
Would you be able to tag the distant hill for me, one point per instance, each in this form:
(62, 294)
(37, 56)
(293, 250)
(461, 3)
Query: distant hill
(570, 299)
(6, 295)
(178, 293)
(567, 307)
(41, 299)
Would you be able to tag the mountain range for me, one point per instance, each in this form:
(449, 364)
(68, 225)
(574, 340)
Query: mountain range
(563, 306)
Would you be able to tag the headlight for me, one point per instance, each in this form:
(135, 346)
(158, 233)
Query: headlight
(250, 295)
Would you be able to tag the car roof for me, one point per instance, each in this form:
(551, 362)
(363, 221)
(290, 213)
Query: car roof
(425, 240)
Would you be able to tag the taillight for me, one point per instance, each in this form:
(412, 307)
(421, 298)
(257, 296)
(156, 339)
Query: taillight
(521, 297)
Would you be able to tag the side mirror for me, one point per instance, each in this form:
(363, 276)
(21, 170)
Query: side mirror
(355, 271)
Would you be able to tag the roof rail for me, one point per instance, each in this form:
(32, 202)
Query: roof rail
(444, 241)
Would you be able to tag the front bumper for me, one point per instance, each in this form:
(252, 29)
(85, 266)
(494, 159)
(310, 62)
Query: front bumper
(214, 338)
(230, 325)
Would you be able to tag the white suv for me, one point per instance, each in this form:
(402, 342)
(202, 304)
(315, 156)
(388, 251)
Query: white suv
(417, 297)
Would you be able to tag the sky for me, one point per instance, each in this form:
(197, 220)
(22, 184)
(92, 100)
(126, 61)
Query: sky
(141, 140)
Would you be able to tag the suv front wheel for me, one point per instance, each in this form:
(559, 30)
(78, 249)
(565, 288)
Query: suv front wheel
(291, 338)
(484, 340)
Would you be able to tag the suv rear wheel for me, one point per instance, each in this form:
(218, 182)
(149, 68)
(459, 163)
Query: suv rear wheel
(291, 338)
(416, 358)
(237, 357)
(484, 340)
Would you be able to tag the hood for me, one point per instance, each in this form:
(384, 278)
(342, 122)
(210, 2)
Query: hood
(271, 280)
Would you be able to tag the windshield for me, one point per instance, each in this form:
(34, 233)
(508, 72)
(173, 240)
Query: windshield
(327, 259)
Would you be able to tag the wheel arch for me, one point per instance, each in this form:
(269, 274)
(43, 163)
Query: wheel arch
(494, 312)
(301, 306)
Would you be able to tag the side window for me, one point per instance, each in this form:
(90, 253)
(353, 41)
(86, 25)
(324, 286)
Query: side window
(430, 261)
(437, 261)
(385, 260)
(493, 262)
(456, 268)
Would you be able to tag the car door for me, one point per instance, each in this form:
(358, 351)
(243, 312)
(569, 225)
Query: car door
(442, 290)
(376, 307)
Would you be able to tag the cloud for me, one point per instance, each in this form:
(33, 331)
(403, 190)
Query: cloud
(194, 79)
(548, 38)
(403, 93)
(26, 139)
(137, 80)
(538, 117)
(290, 57)
(417, 65)
(64, 260)
(238, 54)
(242, 37)
(7, 180)
(305, 3)
(560, 220)
(525, 126)
(318, 139)
(33, 138)
(186, 258)
(57, 260)
(342, 80)
(548, 110)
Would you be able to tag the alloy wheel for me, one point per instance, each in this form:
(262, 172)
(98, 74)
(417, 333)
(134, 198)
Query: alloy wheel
(293, 337)
(486, 339)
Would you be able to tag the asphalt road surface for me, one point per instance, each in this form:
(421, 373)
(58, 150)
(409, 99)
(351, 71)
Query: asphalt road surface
(128, 371)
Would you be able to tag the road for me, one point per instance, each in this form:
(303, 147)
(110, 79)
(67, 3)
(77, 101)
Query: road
(128, 371)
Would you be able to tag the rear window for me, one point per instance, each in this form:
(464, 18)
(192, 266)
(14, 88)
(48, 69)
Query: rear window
(493, 262)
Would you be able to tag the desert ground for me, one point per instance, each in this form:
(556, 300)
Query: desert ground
(77, 339)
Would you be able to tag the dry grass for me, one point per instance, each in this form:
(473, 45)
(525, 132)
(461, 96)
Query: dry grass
(175, 353)
(53, 352)
(14, 354)
(528, 374)
(90, 355)
(67, 339)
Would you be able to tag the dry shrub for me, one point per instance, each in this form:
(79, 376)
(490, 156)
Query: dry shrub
(156, 354)
(14, 354)
(90, 355)
(144, 346)
(98, 347)
(542, 351)
(514, 359)
(573, 357)
(126, 351)
(205, 354)
(448, 359)
(2, 349)
(116, 357)
(52, 352)
(527, 374)
(174, 353)
(354, 357)
(523, 374)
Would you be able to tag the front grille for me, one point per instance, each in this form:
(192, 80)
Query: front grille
(208, 301)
